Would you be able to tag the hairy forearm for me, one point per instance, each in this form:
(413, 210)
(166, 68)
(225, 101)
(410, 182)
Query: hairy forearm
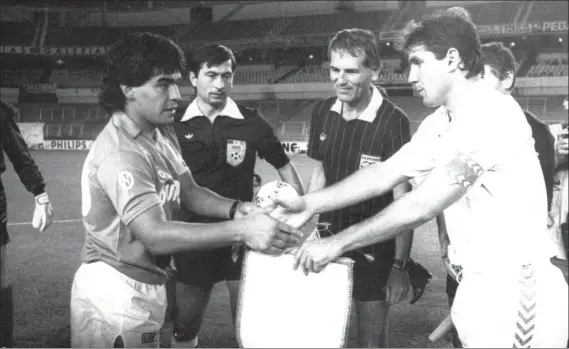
(402, 216)
(205, 202)
(362, 185)
(289, 174)
(172, 237)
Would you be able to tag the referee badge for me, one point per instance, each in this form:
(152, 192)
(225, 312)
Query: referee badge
(366, 160)
(235, 152)
(322, 136)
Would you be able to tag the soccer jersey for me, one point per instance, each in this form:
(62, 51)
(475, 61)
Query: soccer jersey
(344, 147)
(126, 172)
(501, 220)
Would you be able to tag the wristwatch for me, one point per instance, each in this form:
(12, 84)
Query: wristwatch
(400, 264)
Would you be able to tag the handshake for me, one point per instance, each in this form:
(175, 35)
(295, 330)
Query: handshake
(271, 224)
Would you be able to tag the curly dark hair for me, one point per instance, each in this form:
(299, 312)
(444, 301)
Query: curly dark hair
(132, 61)
(500, 59)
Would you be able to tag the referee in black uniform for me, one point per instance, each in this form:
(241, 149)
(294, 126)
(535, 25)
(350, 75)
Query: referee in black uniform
(220, 142)
(14, 145)
(356, 128)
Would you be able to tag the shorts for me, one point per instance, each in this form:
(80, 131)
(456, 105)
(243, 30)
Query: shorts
(372, 265)
(208, 267)
(370, 278)
(107, 305)
(514, 307)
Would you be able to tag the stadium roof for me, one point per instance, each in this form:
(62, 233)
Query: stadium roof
(116, 5)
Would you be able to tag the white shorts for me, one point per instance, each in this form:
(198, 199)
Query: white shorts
(106, 305)
(515, 308)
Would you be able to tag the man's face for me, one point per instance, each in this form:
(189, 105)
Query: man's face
(491, 80)
(428, 76)
(213, 84)
(352, 80)
(157, 99)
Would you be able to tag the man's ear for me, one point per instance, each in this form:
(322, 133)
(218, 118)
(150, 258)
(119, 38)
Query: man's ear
(454, 60)
(128, 92)
(193, 78)
(508, 82)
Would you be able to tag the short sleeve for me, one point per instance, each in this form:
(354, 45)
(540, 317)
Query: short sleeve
(269, 146)
(128, 180)
(314, 142)
(417, 157)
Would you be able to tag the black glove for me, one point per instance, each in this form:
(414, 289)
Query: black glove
(419, 277)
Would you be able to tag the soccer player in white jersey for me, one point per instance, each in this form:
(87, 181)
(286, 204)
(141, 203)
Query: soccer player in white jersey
(470, 160)
(133, 183)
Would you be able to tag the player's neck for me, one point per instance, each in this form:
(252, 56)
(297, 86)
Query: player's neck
(460, 98)
(208, 110)
(351, 111)
(139, 120)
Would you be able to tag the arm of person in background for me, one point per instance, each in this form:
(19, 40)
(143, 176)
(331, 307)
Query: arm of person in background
(140, 208)
(17, 151)
(317, 177)
(270, 149)
(289, 174)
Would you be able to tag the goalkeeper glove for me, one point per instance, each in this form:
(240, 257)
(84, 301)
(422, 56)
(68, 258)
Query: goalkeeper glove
(43, 213)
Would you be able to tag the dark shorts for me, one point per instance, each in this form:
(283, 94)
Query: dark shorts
(208, 267)
(370, 277)
(4, 238)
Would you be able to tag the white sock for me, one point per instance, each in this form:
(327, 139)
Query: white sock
(192, 343)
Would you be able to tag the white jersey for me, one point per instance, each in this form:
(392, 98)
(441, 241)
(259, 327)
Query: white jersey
(502, 217)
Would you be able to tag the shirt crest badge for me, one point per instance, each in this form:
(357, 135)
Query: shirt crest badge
(235, 152)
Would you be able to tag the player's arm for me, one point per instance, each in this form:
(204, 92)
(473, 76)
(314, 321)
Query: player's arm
(289, 174)
(201, 200)
(17, 151)
(399, 134)
(317, 177)
(441, 188)
(127, 179)
(270, 149)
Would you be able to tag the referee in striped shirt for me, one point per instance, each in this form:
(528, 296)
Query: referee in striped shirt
(356, 128)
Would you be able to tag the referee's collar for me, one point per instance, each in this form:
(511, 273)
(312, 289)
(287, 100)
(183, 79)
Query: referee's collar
(231, 109)
(370, 112)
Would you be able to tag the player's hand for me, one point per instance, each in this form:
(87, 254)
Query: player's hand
(296, 215)
(265, 234)
(245, 209)
(314, 256)
(398, 286)
(43, 212)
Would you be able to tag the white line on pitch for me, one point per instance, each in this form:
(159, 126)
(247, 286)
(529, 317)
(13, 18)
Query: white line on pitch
(54, 222)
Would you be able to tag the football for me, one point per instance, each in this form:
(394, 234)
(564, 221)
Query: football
(269, 192)
(267, 195)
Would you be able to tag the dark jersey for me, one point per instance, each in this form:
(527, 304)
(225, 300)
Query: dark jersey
(222, 155)
(545, 148)
(344, 147)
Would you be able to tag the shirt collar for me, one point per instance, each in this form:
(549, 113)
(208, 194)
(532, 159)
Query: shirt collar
(122, 121)
(370, 112)
(231, 109)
